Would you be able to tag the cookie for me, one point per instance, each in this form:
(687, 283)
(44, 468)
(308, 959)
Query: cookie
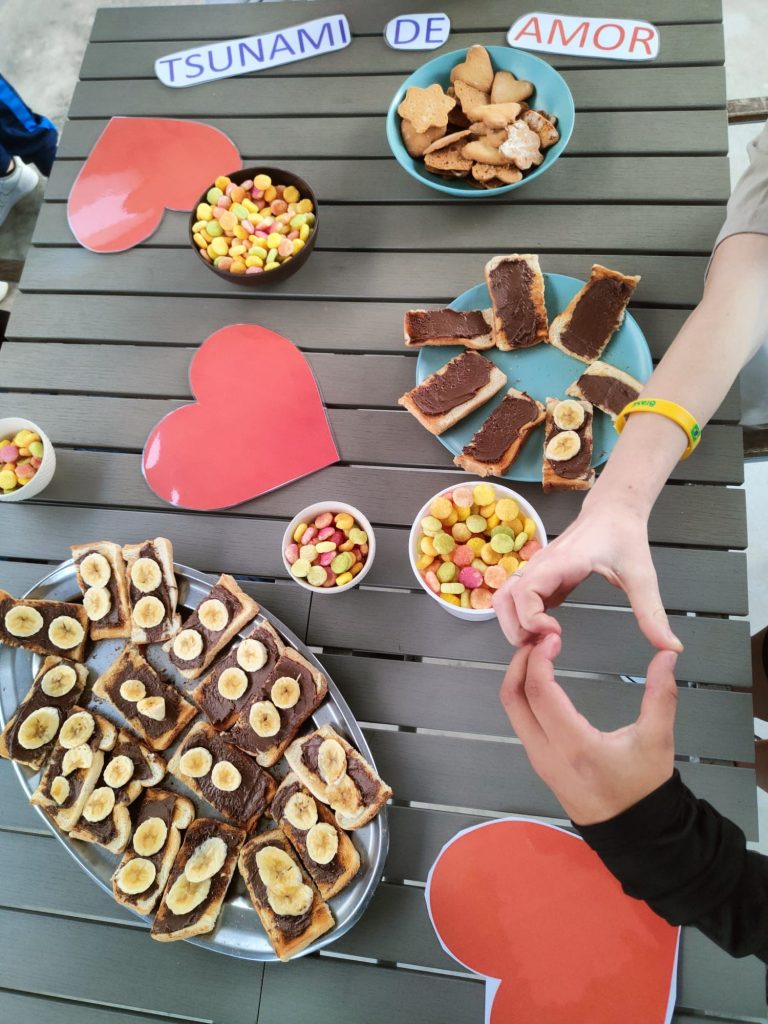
(508, 89)
(426, 108)
(544, 128)
(418, 142)
(471, 99)
(475, 70)
(522, 147)
(449, 161)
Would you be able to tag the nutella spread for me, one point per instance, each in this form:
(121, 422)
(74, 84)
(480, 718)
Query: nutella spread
(291, 926)
(155, 687)
(252, 795)
(103, 831)
(511, 283)
(500, 430)
(112, 618)
(424, 325)
(607, 393)
(457, 383)
(323, 874)
(218, 708)
(158, 632)
(367, 787)
(309, 753)
(38, 699)
(210, 637)
(243, 734)
(75, 778)
(596, 316)
(580, 464)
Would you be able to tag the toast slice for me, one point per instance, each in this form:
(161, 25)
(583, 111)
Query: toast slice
(45, 627)
(516, 287)
(102, 578)
(217, 619)
(606, 387)
(453, 392)
(58, 685)
(291, 909)
(152, 583)
(198, 881)
(593, 315)
(496, 445)
(327, 852)
(158, 821)
(266, 726)
(572, 473)
(336, 774)
(471, 328)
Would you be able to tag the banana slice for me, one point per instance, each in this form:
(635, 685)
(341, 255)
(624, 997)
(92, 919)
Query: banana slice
(251, 655)
(277, 870)
(148, 612)
(59, 790)
(286, 692)
(80, 756)
(58, 680)
(146, 575)
(232, 683)
(196, 762)
(136, 876)
(213, 615)
(563, 446)
(99, 804)
(97, 601)
(322, 843)
(23, 621)
(301, 811)
(264, 718)
(226, 777)
(95, 570)
(152, 707)
(568, 415)
(118, 771)
(133, 690)
(39, 728)
(150, 836)
(187, 645)
(65, 632)
(184, 896)
(207, 859)
(294, 904)
(331, 761)
(77, 729)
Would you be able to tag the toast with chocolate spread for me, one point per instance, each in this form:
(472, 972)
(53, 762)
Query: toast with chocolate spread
(593, 315)
(471, 328)
(453, 392)
(496, 445)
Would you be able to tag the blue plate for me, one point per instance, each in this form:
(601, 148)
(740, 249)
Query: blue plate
(551, 94)
(543, 371)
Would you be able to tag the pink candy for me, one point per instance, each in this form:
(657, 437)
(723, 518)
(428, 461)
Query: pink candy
(247, 185)
(291, 553)
(337, 537)
(254, 270)
(308, 534)
(481, 598)
(328, 556)
(470, 577)
(331, 581)
(527, 551)
(224, 202)
(247, 226)
(25, 470)
(463, 555)
(9, 454)
(326, 533)
(432, 582)
(323, 520)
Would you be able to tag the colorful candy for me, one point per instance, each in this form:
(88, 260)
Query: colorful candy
(470, 542)
(20, 458)
(330, 550)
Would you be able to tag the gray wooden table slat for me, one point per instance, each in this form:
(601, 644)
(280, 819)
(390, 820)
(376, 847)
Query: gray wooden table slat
(23, 1007)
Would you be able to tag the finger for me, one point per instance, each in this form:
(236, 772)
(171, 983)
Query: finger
(515, 702)
(561, 722)
(506, 613)
(521, 603)
(657, 711)
(642, 589)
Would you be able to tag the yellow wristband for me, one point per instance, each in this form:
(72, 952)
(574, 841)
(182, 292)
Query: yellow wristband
(672, 411)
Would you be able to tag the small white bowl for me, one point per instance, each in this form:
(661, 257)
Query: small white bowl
(10, 426)
(469, 614)
(308, 515)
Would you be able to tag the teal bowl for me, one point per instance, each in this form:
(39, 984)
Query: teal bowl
(551, 94)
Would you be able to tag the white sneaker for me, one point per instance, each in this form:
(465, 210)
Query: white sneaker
(19, 183)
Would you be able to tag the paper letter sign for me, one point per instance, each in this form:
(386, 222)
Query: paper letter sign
(254, 53)
(616, 39)
(418, 31)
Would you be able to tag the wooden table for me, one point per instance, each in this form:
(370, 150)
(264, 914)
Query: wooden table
(98, 350)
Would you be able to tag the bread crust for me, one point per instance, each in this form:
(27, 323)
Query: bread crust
(75, 611)
(537, 297)
(601, 369)
(472, 465)
(479, 343)
(439, 424)
(562, 320)
(163, 555)
(550, 479)
(114, 555)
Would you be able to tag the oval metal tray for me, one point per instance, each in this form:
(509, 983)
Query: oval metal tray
(238, 932)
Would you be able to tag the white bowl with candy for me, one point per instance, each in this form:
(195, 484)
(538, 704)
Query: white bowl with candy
(27, 459)
(328, 547)
(468, 540)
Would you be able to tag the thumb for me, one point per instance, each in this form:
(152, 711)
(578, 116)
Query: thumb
(642, 589)
(657, 711)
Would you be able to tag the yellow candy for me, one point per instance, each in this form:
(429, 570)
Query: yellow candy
(212, 252)
(239, 232)
(507, 509)
(291, 194)
(344, 521)
(271, 266)
(254, 261)
(530, 527)
(460, 533)
(463, 514)
(222, 182)
(238, 267)
(464, 599)
(237, 250)
(452, 518)
(220, 246)
(262, 181)
(509, 564)
(304, 231)
(488, 510)
(427, 547)
(250, 206)
(299, 532)
(258, 251)
(199, 225)
(324, 546)
(493, 521)
(483, 494)
(5, 441)
(199, 241)
(274, 239)
(305, 206)
(344, 578)
(7, 480)
(441, 508)
(203, 212)
(476, 544)
(522, 564)
(516, 526)
(298, 245)
(450, 598)
(270, 193)
(423, 562)
(489, 556)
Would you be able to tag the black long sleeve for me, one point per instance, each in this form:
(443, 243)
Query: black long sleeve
(690, 865)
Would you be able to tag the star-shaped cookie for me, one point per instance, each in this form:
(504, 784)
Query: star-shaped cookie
(426, 107)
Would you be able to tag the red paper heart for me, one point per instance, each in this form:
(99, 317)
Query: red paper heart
(532, 906)
(258, 423)
(139, 168)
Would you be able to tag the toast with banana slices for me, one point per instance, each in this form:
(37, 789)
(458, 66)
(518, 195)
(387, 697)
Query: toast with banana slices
(287, 699)
(291, 909)
(198, 881)
(75, 764)
(101, 576)
(31, 731)
(217, 619)
(568, 446)
(153, 707)
(607, 387)
(327, 852)
(231, 781)
(335, 773)
(158, 821)
(45, 627)
(152, 591)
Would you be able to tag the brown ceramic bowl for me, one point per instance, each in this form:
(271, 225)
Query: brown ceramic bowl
(279, 176)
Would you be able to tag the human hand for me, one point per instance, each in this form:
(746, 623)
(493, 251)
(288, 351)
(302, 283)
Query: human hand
(595, 775)
(605, 538)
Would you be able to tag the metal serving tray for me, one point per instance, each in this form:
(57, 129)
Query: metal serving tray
(238, 932)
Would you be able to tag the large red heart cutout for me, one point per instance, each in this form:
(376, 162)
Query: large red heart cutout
(532, 908)
(258, 423)
(139, 168)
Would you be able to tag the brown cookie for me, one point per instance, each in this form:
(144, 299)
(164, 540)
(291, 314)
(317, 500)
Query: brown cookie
(498, 115)
(447, 140)
(471, 99)
(476, 70)
(426, 108)
(537, 122)
(507, 89)
(449, 161)
(481, 151)
(417, 142)
(522, 148)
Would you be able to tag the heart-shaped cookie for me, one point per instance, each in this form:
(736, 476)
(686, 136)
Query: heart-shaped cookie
(532, 908)
(258, 423)
(139, 168)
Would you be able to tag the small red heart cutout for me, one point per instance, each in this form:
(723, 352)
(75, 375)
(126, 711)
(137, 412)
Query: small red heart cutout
(139, 168)
(532, 908)
(258, 423)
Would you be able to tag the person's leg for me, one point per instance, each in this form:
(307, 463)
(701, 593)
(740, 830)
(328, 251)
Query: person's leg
(24, 133)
